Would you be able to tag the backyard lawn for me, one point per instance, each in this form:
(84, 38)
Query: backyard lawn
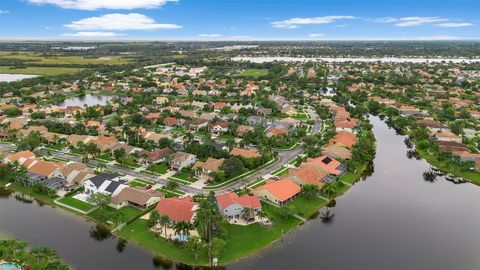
(254, 72)
(76, 203)
(138, 232)
(245, 240)
(110, 213)
(305, 207)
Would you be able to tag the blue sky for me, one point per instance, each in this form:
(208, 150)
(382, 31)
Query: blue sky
(240, 19)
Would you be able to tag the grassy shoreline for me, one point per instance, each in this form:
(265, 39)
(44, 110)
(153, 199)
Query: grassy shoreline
(242, 241)
(473, 177)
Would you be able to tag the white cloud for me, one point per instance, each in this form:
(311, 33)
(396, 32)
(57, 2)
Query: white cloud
(416, 21)
(104, 4)
(385, 20)
(316, 35)
(4, 12)
(295, 22)
(209, 35)
(342, 25)
(453, 25)
(92, 34)
(115, 21)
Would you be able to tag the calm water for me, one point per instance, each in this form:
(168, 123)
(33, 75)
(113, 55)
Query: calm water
(87, 99)
(392, 220)
(15, 77)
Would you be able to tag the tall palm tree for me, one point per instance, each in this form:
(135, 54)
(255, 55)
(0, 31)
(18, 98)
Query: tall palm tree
(164, 221)
(247, 213)
(48, 254)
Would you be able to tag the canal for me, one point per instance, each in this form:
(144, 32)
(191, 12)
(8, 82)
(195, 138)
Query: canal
(393, 219)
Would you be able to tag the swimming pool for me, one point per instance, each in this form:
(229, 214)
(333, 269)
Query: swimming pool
(9, 266)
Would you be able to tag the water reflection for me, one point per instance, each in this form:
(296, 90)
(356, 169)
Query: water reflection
(121, 244)
(326, 215)
(100, 232)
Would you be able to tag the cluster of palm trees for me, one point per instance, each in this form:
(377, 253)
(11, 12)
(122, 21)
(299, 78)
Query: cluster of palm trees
(157, 219)
(41, 258)
(88, 151)
(209, 224)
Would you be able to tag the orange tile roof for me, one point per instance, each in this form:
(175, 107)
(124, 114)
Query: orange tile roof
(281, 189)
(244, 153)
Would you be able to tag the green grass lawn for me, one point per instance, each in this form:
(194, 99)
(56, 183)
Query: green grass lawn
(185, 176)
(57, 147)
(245, 240)
(138, 232)
(226, 137)
(301, 116)
(254, 72)
(140, 183)
(59, 58)
(108, 214)
(305, 207)
(105, 156)
(171, 193)
(473, 176)
(160, 168)
(39, 70)
(76, 203)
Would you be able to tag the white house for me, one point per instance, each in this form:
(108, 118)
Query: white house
(106, 183)
(180, 160)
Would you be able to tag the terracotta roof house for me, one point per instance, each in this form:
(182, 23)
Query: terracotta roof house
(170, 121)
(137, 197)
(177, 209)
(159, 155)
(217, 106)
(48, 169)
(245, 153)
(333, 166)
(243, 129)
(290, 121)
(231, 205)
(432, 125)
(446, 136)
(343, 138)
(19, 156)
(272, 132)
(279, 192)
(346, 123)
(336, 151)
(452, 146)
(209, 166)
(309, 174)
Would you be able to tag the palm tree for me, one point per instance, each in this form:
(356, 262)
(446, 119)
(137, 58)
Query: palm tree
(119, 217)
(328, 189)
(248, 213)
(48, 254)
(101, 166)
(164, 221)
(15, 246)
(207, 220)
(262, 214)
(310, 190)
(179, 227)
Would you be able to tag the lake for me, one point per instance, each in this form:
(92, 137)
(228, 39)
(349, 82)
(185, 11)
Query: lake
(87, 99)
(262, 59)
(15, 77)
(393, 219)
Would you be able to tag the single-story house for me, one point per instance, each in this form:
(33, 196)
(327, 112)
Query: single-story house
(177, 209)
(137, 197)
(279, 192)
